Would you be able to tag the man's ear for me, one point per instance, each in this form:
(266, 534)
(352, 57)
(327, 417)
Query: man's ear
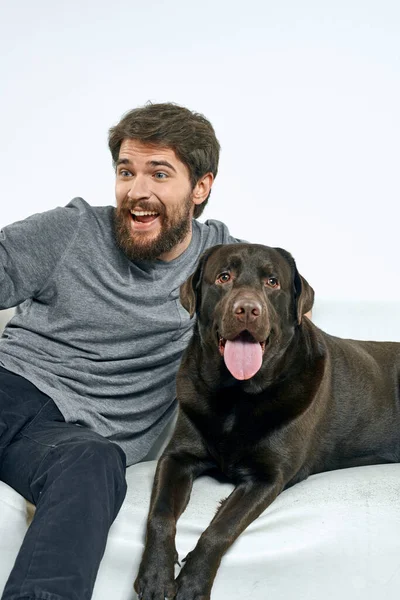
(189, 294)
(303, 292)
(202, 188)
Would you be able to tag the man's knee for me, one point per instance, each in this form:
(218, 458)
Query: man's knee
(96, 457)
(90, 466)
(106, 463)
(96, 452)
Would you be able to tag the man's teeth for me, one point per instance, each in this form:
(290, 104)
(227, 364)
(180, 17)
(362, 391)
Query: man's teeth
(143, 213)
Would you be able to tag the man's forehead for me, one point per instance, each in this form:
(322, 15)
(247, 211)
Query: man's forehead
(139, 154)
(131, 148)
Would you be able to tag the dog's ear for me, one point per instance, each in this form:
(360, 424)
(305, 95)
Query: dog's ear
(304, 295)
(303, 292)
(189, 294)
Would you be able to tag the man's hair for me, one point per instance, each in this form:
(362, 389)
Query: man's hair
(169, 125)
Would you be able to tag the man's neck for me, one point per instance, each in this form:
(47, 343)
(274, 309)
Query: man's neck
(178, 249)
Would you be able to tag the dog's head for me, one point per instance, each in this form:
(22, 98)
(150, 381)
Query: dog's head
(248, 300)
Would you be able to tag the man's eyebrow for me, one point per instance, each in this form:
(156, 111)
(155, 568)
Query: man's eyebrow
(151, 163)
(161, 163)
(122, 161)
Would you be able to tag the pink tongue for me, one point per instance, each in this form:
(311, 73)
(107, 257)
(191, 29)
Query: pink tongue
(243, 358)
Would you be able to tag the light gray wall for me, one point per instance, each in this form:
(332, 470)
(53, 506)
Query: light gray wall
(304, 97)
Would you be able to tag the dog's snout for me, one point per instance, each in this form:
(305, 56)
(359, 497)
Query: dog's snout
(247, 310)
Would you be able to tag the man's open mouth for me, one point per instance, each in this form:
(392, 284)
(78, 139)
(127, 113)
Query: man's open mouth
(242, 355)
(144, 216)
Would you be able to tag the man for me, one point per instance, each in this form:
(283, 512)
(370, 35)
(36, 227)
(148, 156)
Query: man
(88, 363)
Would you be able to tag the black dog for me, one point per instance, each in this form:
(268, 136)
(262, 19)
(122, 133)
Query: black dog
(268, 399)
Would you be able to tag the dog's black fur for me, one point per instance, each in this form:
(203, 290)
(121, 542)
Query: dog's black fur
(317, 403)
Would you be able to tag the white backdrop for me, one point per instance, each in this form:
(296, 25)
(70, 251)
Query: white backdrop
(304, 97)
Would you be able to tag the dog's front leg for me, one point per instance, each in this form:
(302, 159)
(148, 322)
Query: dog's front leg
(171, 491)
(245, 503)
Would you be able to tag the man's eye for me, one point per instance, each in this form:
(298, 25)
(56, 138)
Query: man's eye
(223, 278)
(272, 282)
(160, 175)
(125, 173)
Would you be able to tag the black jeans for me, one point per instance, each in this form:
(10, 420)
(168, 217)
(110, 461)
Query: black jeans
(75, 477)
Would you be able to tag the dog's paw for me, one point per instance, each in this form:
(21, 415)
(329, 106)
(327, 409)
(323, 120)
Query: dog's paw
(155, 582)
(193, 582)
(155, 588)
(192, 589)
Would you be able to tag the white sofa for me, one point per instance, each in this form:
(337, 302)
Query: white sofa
(334, 536)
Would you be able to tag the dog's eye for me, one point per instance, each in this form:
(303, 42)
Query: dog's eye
(272, 282)
(223, 278)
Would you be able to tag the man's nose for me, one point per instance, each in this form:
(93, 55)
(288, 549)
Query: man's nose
(139, 188)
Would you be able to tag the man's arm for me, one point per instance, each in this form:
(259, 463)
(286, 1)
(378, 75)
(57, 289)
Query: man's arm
(30, 251)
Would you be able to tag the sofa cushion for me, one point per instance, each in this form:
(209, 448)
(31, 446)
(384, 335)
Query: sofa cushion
(332, 536)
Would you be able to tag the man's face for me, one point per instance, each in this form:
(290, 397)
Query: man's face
(154, 202)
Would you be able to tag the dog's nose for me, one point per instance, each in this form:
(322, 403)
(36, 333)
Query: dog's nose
(247, 310)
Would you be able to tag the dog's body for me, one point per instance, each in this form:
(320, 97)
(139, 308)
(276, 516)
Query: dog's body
(266, 398)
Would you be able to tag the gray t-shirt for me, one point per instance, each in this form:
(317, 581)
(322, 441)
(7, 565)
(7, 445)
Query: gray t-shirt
(100, 334)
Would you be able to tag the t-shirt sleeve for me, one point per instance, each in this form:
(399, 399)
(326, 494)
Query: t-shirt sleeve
(218, 233)
(31, 249)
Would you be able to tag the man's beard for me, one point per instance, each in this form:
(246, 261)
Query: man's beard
(135, 245)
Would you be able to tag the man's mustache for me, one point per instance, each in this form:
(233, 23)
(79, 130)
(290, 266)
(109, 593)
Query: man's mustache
(143, 206)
